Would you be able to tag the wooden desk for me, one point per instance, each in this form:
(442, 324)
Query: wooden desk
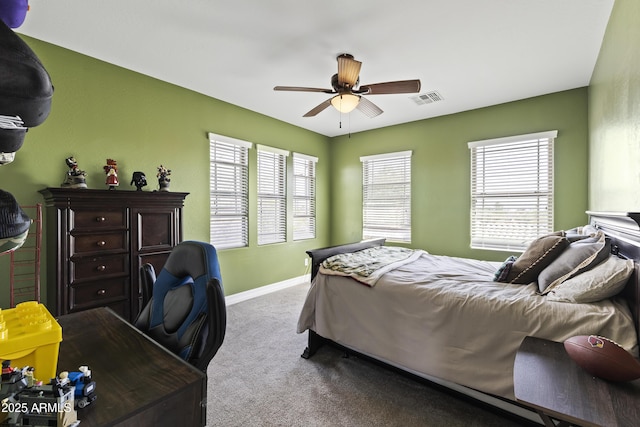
(548, 380)
(138, 382)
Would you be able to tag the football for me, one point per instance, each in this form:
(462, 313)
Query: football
(603, 358)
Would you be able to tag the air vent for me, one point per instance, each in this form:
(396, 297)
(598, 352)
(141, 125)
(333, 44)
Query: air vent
(427, 98)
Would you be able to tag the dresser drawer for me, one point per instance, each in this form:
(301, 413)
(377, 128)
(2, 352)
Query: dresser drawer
(98, 242)
(98, 267)
(95, 294)
(97, 219)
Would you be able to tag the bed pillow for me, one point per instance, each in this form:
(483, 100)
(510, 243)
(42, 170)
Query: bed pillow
(503, 272)
(603, 281)
(580, 256)
(539, 254)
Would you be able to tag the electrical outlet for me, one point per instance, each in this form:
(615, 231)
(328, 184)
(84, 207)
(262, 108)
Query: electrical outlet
(306, 262)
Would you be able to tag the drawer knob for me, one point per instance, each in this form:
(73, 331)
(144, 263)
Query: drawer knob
(101, 243)
(101, 219)
(101, 267)
(101, 292)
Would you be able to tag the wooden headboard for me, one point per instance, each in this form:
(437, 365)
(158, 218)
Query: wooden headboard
(624, 231)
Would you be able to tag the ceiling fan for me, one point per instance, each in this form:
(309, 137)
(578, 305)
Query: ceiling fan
(348, 91)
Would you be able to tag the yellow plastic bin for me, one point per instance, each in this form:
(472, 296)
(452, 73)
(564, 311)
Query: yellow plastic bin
(30, 336)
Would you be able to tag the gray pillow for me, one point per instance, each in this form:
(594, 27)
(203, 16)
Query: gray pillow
(603, 281)
(580, 256)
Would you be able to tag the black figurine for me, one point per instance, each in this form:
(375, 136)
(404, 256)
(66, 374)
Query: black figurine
(139, 179)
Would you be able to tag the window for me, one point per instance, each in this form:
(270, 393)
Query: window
(272, 195)
(304, 196)
(386, 196)
(511, 190)
(229, 197)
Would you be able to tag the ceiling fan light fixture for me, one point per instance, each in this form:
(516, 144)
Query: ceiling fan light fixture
(348, 70)
(345, 103)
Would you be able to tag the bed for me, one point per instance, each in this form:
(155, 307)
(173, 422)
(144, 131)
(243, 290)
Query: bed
(450, 321)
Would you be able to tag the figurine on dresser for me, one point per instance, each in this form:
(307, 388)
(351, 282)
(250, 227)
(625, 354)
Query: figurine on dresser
(111, 169)
(163, 178)
(75, 178)
(138, 179)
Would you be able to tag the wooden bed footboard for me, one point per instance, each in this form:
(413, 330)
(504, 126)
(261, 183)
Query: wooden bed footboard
(315, 341)
(319, 255)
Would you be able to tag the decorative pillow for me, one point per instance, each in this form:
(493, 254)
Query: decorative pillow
(580, 256)
(540, 253)
(503, 271)
(603, 281)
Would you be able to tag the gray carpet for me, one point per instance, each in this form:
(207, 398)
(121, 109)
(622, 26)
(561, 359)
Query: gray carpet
(258, 378)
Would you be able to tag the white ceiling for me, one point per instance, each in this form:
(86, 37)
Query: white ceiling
(474, 53)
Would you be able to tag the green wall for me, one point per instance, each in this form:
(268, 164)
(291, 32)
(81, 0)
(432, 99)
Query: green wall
(102, 111)
(614, 114)
(440, 168)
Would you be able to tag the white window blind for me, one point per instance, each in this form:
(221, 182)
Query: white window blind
(386, 196)
(229, 191)
(304, 196)
(511, 190)
(272, 195)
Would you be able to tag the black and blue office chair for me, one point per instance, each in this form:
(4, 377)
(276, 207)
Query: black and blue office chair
(186, 311)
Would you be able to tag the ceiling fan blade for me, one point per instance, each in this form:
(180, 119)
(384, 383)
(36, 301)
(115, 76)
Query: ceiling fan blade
(348, 70)
(303, 89)
(368, 108)
(402, 86)
(318, 108)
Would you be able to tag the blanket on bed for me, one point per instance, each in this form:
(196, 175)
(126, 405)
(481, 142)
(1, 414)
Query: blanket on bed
(368, 265)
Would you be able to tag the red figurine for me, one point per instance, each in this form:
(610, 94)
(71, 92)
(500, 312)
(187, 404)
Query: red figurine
(111, 169)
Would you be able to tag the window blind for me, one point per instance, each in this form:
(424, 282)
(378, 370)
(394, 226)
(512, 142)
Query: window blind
(511, 190)
(386, 196)
(272, 195)
(304, 196)
(229, 195)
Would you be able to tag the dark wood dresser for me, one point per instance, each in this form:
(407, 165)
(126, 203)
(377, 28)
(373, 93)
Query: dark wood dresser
(97, 240)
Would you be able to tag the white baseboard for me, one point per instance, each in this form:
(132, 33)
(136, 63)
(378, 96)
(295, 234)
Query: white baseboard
(263, 290)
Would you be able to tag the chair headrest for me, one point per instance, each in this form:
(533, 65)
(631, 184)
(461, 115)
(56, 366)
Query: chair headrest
(195, 259)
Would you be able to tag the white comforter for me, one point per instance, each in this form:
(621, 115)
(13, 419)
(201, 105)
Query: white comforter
(445, 317)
